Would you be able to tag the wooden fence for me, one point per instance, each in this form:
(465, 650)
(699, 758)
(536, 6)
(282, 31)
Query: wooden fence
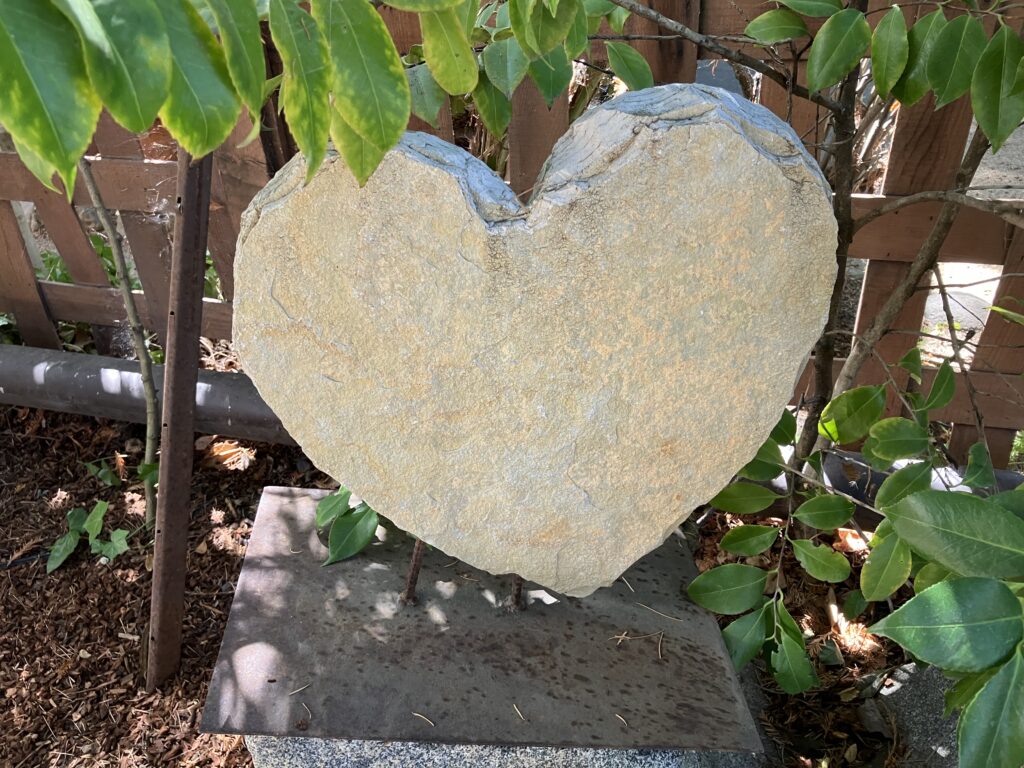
(927, 148)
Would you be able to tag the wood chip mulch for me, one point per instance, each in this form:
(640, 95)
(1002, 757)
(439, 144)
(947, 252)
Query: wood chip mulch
(71, 642)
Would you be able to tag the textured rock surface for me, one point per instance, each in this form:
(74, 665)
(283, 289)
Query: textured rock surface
(545, 389)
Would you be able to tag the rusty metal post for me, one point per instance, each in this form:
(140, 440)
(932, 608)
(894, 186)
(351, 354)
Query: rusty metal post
(188, 263)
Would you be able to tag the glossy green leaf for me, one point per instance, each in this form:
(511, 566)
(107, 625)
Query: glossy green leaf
(330, 507)
(49, 105)
(876, 462)
(94, 522)
(837, 48)
(889, 50)
(127, 55)
(61, 550)
(361, 156)
(825, 512)
(448, 52)
(576, 41)
(911, 362)
(552, 74)
(903, 482)
(305, 84)
(965, 533)
(630, 66)
(814, 8)
(729, 589)
(784, 432)
(117, 544)
(952, 61)
(767, 464)
(913, 83)
(785, 623)
(505, 64)
(750, 540)
(980, 473)
(997, 97)
(201, 108)
(744, 498)
(367, 79)
(493, 106)
(943, 388)
(427, 96)
(519, 20)
(238, 26)
(540, 32)
(898, 438)
(854, 605)
(964, 625)
(351, 533)
(965, 689)
(821, 562)
(1012, 501)
(850, 415)
(929, 575)
(598, 7)
(617, 19)
(792, 667)
(886, 570)
(776, 26)
(991, 729)
(745, 636)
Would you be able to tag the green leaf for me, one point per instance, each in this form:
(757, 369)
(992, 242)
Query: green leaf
(117, 545)
(418, 6)
(331, 507)
(814, 8)
(466, 12)
(94, 522)
(784, 432)
(598, 7)
(728, 589)
(868, 454)
(505, 64)
(76, 520)
(903, 482)
(617, 19)
(979, 468)
(49, 105)
(911, 362)
(1010, 315)
(40, 168)
(825, 512)
(541, 32)
(448, 51)
(493, 106)
(996, 96)
(965, 689)
(147, 472)
(776, 26)
(630, 66)
(792, 667)
(750, 540)
(929, 575)
(889, 50)
(952, 61)
(913, 84)
(850, 415)
(744, 499)
(201, 108)
(1012, 501)
(361, 157)
(964, 625)
(745, 636)
(837, 48)
(366, 75)
(821, 562)
(519, 19)
(351, 533)
(854, 605)
(898, 438)
(943, 388)
(766, 465)
(427, 96)
(786, 623)
(965, 533)
(127, 56)
(576, 41)
(886, 570)
(61, 550)
(305, 85)
(238, 26)
(991, 729)
(552, 74)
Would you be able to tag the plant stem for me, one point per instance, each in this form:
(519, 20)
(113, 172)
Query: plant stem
(138, 334)
(415, 563)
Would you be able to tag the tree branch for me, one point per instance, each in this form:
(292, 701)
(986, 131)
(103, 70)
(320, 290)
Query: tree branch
(1010, 212)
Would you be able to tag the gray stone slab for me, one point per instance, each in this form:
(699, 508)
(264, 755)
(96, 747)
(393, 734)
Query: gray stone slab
(314, 652)
(916, 698)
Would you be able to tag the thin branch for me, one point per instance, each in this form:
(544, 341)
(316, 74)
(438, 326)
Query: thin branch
(1012, 213)
(138, 334)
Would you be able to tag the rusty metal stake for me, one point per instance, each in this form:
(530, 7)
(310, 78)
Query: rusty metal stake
(516, 601)
(170, 551)
(409, 595)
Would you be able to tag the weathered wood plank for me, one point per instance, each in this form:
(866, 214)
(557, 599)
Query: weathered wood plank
(672, 61)
(19, 290)
(531, 135)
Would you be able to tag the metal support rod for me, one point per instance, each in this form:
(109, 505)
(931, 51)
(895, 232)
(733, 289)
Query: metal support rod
(409, 595)
(188, 262)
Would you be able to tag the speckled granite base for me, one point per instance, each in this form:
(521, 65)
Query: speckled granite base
(273, 752)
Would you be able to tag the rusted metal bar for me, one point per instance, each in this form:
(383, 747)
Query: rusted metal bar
(188, 261)
(415, 563)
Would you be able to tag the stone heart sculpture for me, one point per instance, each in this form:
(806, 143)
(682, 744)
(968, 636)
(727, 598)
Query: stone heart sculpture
(546, 389)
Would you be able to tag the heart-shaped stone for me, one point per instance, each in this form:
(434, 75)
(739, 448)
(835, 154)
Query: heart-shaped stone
(545, 389)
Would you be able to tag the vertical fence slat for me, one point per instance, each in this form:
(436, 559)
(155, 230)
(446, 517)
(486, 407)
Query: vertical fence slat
(805, 116)
(19, 286)
(672, 61)
(531, 135)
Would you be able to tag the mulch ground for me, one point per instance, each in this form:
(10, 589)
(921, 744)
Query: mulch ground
(71, 641)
